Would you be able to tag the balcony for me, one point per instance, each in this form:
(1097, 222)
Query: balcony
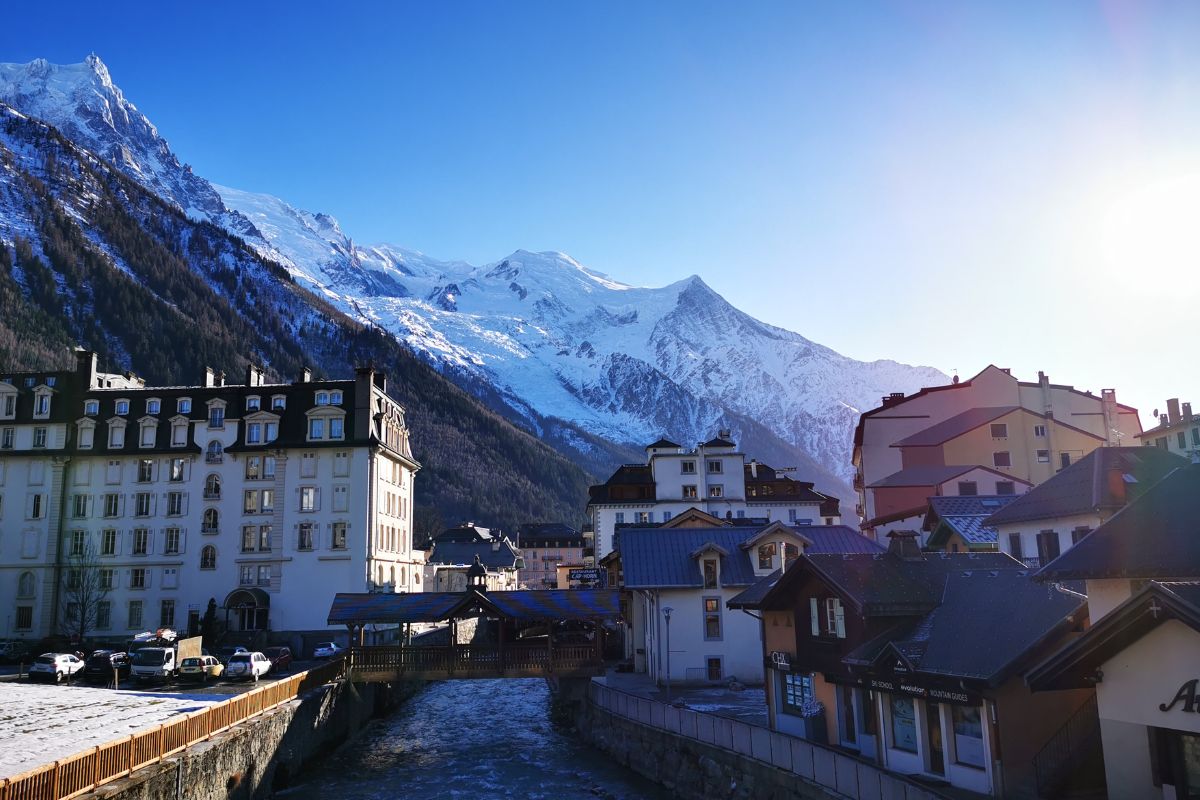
(212, 494)
(214, 458)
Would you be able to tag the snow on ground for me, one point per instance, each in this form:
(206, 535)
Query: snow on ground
(40, 722)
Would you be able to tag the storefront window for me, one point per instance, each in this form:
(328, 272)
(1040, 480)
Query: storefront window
(968, 735)
(904, 724)
(846, 713)
(797, 693)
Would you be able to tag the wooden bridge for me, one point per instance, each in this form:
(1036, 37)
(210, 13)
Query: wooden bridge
(498, 614)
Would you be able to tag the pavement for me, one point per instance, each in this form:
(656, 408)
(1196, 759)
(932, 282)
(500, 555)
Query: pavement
(748, 704)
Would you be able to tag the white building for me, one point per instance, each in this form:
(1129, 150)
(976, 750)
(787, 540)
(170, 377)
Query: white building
(1178, 430)
(714, 477)
(269, 498)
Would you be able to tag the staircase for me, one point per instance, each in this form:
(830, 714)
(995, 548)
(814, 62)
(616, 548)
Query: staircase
(1071, 764)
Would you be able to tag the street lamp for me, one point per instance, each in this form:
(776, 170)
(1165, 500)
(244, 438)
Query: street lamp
(667, 615)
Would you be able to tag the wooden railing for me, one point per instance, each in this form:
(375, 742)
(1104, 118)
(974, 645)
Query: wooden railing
(471, 660)
(83, 772)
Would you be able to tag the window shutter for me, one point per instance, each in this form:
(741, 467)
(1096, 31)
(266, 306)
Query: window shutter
(840, 618)
(150, 537)
(184, 508)
(149, 575)
(815, 612)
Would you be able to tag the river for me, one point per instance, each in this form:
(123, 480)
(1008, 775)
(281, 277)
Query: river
(472, 739)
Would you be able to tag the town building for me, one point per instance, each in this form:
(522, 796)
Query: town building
(678, 576)
(1056, 515)
(1141, 569)
(959, 524)
(1178, 431)
(714, 477)
(915, 661)
(265, 497)
(546, 546)
(1022, 431)
(457, 550)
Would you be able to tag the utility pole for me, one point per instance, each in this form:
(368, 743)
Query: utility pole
(667, 615)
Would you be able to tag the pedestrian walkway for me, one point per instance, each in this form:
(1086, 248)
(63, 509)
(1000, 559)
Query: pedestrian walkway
(748, 704)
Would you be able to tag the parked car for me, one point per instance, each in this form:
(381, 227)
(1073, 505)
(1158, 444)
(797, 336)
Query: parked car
(247, 666)
(101, 664)
(15, 651)
(201, 668)
(280, 658)
(55, 667)
(225, 653)
(327, 650)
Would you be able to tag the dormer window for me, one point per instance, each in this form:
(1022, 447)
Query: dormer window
(337, 428)
(710, 573)
(179, 433)
(8, 406)
(253, 403)
(254, 433)
(766, 556)
(184, 405)
(278, 402)
(122, 408)
(41, 404)
(271, 431)
(335, 397)
(51, 380)
(91, 407)
(216, 414)
(149, 433)
(316, 428)
(153, 406)
(87, 434)
(322, 398)
(116, 433)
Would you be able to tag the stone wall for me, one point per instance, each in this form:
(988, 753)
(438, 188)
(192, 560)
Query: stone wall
(266, 753)
(692, 770)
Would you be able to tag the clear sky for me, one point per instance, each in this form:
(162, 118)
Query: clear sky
(948, 183)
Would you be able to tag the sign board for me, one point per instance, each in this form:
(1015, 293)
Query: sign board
(585, 575)
(781, 659)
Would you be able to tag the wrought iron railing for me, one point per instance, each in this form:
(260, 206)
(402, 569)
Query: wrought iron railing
(1071, 745)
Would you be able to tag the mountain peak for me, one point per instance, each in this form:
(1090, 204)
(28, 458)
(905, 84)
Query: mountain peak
(99, 68)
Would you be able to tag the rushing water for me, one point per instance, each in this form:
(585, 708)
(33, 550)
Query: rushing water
(469, 739)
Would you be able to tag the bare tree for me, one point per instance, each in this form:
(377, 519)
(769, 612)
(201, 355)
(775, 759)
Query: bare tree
(86, 586)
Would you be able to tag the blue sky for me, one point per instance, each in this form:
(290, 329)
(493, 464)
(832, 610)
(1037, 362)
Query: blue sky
(950, 184)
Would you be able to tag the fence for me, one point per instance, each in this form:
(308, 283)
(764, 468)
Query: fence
(83, 772)
(826, 766)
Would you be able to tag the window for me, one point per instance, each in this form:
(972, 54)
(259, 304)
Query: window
(145, 470)
(687, 467)
(1196, 437)
(249, 536)
(316, 428)
(108, 578)
(91, 407)
(835, 618)
(999, 430)
(1014, 546)
(24, 618)
(904, 723)
(716, 490)
(216, 417)
(7, 437)
(153, 406)
(1005, 488)
(710, 573)
(1047, 544)
(179, 434)
(74, 579)
(712, 618)
(176, 470)
(270, 431)
(112, 473)
(264, 538)
(26, 585)
(278, 402)
(642, 517)
(87, 436)
(967, 488)
(121, 407)
(1079, 533)
(171, 541)
(766, 556)
(41, 405)
(790, 553)
(264, 574)
(335, 397)
(1001, 458)
(166, 614)
(135, 614)
(266, 501)
(103, 615)
(968, 735)
(713, 668)
(141, 541)
(79, 506)
(689, 493)
(142, 504)
(246, 575)
(35, 506)
(10, 406)
(1039, 431)
(619, 518)
(1064, 460)
(253, 403)
(78, 539)
(667, 516)
(254, 433)
(137, 578)
(250, 501)
(39, 437)
(336, 428)
(268, 470)
(184, 405)
(339, 536)
(304, 539)
(211, 521)
(208, 557)
(797, 692)
(1043, 456)
(716, 467)
(308, 498)
(322, 398)
(108, 542)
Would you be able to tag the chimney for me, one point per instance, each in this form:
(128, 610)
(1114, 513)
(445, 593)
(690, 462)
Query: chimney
(85, 367)
(724, 433)
(305, 375)
(892, 399)
(1116, 485)
(219, 378)
(209, 377)
(381, 381)
(1187, 412)
(1164, 420)
(1173, 410)
(495, 545)
(254, 375)
(1108, 407)
(903, 545)
(754, 468)
(364, 380)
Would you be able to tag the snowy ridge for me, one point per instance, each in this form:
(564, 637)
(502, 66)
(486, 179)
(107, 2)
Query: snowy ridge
(553, 338)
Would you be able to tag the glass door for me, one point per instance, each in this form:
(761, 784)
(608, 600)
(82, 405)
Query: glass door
(848, 730)
(933, 730)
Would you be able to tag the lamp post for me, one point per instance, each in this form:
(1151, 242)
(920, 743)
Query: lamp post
(667, 616)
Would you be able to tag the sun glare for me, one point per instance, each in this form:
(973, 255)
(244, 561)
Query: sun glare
(1152, 228)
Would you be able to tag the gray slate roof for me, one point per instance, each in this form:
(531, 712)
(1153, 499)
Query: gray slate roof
(965, 516)
(1085, 487)
(434, 606)
(1155, 536)
(461, 553)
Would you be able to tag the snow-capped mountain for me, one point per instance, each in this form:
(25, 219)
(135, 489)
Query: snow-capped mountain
(548, 337)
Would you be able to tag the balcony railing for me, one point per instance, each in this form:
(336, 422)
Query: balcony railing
(214, 458)
(212, 494)
(473, 661)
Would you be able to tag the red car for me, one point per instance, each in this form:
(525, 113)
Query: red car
(280, 658)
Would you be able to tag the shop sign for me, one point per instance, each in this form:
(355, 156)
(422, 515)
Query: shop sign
(781, 660)
(915, 689)
(1185, 695)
